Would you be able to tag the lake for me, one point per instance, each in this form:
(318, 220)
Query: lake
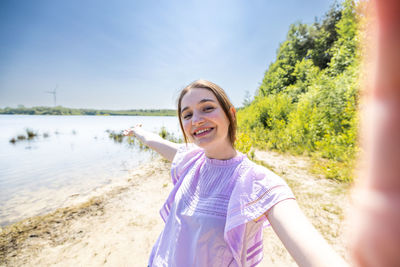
(72, 155)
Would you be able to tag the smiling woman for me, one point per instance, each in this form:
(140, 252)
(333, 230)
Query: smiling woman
(221, 201)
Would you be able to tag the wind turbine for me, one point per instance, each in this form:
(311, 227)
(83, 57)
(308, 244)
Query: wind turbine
(54, 92)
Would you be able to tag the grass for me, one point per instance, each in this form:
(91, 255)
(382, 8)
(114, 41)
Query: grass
(118, 137)
(21, 137)
(29, 135)
(169, 136)
(334, 170)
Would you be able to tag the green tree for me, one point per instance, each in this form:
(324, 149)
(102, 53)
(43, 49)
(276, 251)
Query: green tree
(307, 101)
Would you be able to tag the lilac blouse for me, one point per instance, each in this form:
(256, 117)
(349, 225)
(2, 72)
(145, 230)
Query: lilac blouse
(214, 215)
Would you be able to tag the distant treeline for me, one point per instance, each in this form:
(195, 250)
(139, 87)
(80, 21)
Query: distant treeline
(59, 110)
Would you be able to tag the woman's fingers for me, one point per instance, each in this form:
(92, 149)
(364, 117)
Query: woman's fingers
(128, 132)
(131, 131)
(375, 234)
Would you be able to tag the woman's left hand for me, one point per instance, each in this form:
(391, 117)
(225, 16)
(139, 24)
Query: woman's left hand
(131, 131)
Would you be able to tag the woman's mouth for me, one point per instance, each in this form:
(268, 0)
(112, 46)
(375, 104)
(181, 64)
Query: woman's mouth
(202, 132)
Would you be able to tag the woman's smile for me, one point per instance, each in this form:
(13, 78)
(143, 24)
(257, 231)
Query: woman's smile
(202, 131)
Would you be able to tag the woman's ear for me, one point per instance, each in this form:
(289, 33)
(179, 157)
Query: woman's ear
(232, 110)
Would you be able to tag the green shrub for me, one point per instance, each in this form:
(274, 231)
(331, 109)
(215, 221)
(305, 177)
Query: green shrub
(307, 102)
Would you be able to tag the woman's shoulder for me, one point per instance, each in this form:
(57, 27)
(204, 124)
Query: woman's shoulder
(186, 155)
(186, 150)
(253, 177)
(250, 169)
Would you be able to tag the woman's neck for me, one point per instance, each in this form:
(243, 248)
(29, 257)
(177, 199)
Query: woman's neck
(220, 152)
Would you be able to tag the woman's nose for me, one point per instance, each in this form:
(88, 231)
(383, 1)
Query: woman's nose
(197, 118)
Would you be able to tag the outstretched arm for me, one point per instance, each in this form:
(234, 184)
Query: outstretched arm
(301, 239)
(165, 148)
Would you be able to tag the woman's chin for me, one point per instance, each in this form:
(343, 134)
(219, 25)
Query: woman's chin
(210, 142)
(203, 144)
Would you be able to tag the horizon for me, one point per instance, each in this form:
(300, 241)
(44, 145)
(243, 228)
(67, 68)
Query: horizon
(59, 106)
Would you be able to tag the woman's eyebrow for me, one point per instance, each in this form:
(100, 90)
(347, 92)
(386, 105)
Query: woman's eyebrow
(200, 102)
(206, 100)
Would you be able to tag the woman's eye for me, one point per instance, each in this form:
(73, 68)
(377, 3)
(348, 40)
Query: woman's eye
(208, 109)
(187, 116)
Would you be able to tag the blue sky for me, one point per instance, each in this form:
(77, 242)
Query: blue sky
(139, 54)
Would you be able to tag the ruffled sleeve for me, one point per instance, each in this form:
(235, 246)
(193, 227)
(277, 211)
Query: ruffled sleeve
(185, 157)
(257, 190)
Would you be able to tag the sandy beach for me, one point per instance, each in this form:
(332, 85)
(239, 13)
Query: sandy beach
(119, 225)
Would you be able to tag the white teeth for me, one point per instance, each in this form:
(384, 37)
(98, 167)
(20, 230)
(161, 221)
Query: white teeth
(201, 131)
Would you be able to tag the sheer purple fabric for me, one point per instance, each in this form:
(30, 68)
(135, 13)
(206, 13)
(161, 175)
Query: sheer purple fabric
(214, 215)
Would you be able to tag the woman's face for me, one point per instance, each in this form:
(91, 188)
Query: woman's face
(203, 119)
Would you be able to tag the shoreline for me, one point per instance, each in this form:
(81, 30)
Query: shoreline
(45, 239)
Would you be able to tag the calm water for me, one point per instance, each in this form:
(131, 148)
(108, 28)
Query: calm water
(77, 157)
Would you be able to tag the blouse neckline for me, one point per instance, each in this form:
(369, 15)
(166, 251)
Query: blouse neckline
(226, 162)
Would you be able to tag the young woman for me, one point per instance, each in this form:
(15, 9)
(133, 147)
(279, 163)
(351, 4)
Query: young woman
(221, 200)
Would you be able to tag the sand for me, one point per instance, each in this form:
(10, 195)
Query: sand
(119, 225)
